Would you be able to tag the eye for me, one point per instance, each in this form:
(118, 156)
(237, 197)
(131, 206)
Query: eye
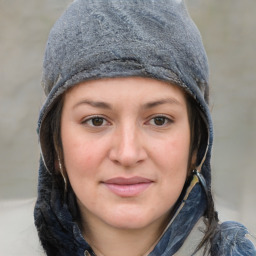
(96, 121)
(160, 121)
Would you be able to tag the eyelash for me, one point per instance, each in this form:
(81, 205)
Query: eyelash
(88, 121)
(167, 120)
(104, 122)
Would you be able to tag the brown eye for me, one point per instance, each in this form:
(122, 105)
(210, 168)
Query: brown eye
(159, 120)
(97, 121)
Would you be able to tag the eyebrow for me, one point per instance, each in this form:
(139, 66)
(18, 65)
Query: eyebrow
(95, 104)
(156, 103)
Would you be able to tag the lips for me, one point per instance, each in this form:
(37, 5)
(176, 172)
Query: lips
(128, 187)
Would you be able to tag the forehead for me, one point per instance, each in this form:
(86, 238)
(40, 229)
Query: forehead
(126, 88)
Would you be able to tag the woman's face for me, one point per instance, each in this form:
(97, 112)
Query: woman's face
(126, 149)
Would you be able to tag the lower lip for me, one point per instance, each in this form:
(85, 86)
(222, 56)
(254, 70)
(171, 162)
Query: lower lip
(128, 190)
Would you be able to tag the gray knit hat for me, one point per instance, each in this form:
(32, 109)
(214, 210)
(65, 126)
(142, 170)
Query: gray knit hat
(97, 39)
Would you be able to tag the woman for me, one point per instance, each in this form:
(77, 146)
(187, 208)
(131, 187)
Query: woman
(126, 136)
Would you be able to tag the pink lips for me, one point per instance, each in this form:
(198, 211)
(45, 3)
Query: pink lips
(127, 187)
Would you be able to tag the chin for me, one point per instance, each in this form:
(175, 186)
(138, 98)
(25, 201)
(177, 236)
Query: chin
(128, 224)
(132, 219)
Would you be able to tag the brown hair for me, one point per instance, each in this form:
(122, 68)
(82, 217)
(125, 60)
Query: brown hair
(199, 135)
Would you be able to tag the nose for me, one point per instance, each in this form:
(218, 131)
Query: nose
(127, 147)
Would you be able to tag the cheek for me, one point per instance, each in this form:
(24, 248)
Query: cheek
(173, 151)
(80, 158)
(171, 156)
(174, 159)
(81, 154)
(82, 162)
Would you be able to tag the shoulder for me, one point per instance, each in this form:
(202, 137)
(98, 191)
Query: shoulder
(18, 235)
(232, 238)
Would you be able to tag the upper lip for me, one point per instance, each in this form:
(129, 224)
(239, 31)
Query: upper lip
(127, 181)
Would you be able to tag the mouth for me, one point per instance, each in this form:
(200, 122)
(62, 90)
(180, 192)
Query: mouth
(128, 187)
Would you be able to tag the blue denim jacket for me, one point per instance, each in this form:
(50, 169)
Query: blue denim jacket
(118, 38)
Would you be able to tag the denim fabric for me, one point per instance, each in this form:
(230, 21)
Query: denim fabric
(96, 39)
(232, 239)
(180, 228)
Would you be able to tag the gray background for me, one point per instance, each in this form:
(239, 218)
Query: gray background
(229, 33)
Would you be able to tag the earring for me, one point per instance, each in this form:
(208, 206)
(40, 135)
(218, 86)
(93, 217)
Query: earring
(201, 180)
(62, 173)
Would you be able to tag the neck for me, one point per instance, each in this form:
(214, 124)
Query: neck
(111, 241)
